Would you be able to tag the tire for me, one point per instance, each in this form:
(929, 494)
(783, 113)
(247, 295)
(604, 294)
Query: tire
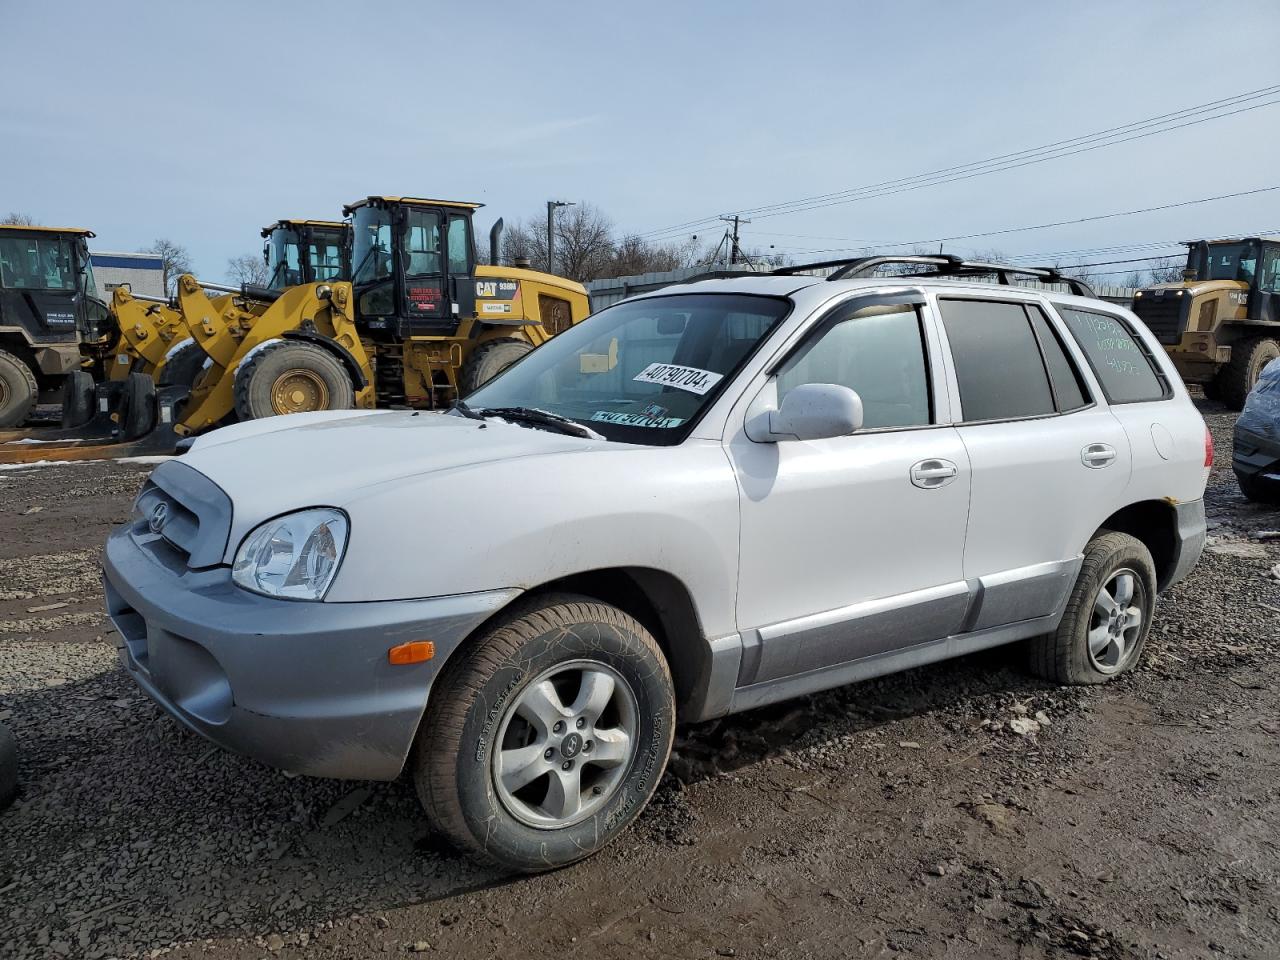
(1064, 656)
(8, 766)
(1212, 388)
(183, 366)
(288, 376)
(1258, 490)
(481, 702)
(78, 392)
(18, 390)
(488, 360)
(137, 406)
(1248, 357)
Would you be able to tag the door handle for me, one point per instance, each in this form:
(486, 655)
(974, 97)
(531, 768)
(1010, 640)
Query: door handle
(1097, 455)
(928, 474)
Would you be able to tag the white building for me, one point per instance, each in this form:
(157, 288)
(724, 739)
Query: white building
(143, 272)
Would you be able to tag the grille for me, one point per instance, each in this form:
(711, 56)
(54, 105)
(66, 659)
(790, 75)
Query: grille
(1163, 316)
(187, 513)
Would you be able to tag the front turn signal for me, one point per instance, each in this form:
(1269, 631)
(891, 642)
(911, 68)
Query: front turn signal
(416, 651)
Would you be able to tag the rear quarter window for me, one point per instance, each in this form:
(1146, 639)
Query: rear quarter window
(1119, 358)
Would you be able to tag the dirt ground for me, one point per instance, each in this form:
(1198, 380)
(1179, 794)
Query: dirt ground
(898, 817)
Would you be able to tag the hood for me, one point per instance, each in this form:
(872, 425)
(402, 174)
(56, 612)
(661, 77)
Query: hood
(279, 464)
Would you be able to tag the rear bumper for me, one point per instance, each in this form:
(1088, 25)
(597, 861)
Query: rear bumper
(1253, 454)
(1189, 538)
(305, 687)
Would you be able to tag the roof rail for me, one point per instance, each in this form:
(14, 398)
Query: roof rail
(942, 265)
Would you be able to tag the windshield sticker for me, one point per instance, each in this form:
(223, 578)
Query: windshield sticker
(636, 419)
(682, 378)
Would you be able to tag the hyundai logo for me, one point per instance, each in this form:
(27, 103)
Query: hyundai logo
(159, 515)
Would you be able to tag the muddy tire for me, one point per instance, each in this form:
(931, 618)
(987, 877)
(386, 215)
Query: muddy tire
(1108, 615)
(182, 368)
(18, 390)
(288, 376)
(137, 406)
(546, 737)
(488, 360)
(78, 396)
(8, 766)
(1237, 378)
(1258, 490)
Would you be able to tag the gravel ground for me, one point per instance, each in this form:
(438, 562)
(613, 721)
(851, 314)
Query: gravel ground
(961, 810)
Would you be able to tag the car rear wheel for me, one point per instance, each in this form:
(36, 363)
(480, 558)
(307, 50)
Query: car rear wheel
(547, 737)
(8, 766)
(18, 390)
(1107, 618)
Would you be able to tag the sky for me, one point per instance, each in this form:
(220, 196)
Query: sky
(203, 123)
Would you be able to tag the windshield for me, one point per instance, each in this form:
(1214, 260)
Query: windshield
(643, 371)
(1233, 261)
(37, 263)
(370, 244)
(285, 269)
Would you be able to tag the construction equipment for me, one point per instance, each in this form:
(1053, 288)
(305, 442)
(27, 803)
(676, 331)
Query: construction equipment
(1221, 323)
(419, 324)
(49, 306)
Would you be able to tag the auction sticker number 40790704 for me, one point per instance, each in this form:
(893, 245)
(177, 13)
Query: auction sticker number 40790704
(691, 379)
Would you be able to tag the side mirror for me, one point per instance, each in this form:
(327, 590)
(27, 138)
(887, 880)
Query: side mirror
(816, 411)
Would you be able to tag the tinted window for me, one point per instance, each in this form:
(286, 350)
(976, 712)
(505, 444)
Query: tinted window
(880, 355)
(1122, 365)
(997, 359)
(1068, 389)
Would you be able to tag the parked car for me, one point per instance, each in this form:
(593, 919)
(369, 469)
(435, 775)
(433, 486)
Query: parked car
(8, 767)
(1255, 451)
(696, 502)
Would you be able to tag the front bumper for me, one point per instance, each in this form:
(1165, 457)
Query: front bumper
(1253, 454)
(302, 686)
(1188, 541)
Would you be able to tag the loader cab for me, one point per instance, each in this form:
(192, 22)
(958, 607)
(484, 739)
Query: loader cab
(305, 251)
(1253, 262)
(413, 265)
(47, 289)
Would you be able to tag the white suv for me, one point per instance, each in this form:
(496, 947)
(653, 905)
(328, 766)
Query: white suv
(696, 502)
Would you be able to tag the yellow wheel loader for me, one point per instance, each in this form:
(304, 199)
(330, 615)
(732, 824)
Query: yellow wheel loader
(419, 324)
(1221, 324)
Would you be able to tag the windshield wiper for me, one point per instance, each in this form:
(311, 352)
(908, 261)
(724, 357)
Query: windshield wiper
(460, 407)
(541, 418)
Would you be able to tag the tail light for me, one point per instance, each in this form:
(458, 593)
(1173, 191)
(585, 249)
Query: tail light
(1208, 448)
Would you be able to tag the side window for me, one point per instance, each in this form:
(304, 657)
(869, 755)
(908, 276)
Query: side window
(999, 368)
(458, 243)
(1120, 360)
(879, 352)
(1068, 388)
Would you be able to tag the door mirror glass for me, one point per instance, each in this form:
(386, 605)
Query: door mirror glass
(816, 411)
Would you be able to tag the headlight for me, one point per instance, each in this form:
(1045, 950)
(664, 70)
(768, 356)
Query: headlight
(294, 556)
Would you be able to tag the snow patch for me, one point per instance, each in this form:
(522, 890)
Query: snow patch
(256, 347)
(175, 348)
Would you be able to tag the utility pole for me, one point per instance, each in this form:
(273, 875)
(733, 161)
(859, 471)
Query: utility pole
(734, 250)
(551, 231)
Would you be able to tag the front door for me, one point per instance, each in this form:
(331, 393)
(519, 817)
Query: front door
(425, 303)
(852, 546)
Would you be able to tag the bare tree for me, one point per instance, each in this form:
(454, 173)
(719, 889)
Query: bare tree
(19, 220)
(176, 261)
(248, 268)
(1168, 270)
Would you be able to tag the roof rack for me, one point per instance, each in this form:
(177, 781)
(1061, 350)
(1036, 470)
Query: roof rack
(943, 265)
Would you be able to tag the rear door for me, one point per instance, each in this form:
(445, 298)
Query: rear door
(1049, 461)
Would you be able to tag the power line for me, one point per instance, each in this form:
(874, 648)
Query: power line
(1062, 148)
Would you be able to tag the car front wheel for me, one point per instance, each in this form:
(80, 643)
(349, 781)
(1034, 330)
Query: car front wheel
(544, 739)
